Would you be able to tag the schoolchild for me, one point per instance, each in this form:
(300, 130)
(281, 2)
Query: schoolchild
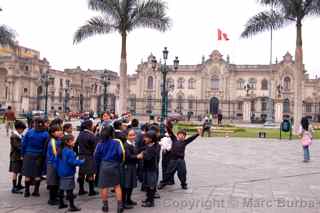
(15, 166)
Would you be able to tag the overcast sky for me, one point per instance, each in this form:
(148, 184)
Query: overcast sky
(48, 26)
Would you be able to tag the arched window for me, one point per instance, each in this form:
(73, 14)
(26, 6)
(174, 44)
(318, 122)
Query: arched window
(215, 83)
(170, 83)
(287, 83)
(286, 106)
(180, 102)
(240, 83)
(180, 83)
(264, 84)
(149, 104)
(252, 83)
(150, 82)
(191, 83)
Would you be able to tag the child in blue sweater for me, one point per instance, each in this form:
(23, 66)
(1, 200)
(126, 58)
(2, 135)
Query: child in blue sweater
(67, 163)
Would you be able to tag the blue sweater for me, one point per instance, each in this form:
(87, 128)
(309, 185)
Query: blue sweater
(51, 157)
(67, 163)
(34, 142)
(109, 150)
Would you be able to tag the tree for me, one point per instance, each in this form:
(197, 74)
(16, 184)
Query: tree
(7, 36)
(283, 13)
(123, 16)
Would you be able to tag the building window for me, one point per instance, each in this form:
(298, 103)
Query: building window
(308, 107)
(215, 83)
(287, 83)
(252, 83)
(263, 104)
(191, 83)
(180, 83)
(170, 84)
(25, 91)
(240, 84)
(169, 103)
(150, 82)
(149, 104)
(60, 97)
(61, 83)
(26, 68)
(190, 103)
(286, 106)
(239, 106)
(264, 84)
(52, 96)
(67, 83)
(180, 102)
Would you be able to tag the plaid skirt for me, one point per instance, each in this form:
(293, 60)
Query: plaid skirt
(32, 166)
(109, 174)
(67, 183)
(129, 176)
(52, 176)
(15, 166)
(150, 178)
(89, 166)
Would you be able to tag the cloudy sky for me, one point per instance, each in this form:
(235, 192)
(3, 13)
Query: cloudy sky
(49, 25)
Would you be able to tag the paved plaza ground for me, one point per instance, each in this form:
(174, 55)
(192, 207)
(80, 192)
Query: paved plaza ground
(225, 175)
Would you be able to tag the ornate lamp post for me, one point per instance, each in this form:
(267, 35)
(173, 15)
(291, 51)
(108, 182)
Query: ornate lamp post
(106, 82)
(164, 69)
(46, 79)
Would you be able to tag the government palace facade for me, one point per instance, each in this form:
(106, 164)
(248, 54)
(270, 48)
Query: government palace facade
(238, 92)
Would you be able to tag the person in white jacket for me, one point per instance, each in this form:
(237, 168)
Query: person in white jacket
(166, 144)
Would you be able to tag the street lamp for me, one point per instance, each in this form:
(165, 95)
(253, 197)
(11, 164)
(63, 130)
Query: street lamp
(164, 69)
(106, 82)
(46, 79)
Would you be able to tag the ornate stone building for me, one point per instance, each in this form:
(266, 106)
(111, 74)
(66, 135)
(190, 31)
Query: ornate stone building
(239, 92)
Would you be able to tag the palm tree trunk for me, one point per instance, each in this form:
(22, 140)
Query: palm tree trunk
(123, 106)
(298, 77)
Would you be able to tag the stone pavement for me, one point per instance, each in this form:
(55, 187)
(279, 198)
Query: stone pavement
(226, 175)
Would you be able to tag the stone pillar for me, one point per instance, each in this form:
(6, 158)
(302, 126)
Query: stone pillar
(278, 110)
(246, 110)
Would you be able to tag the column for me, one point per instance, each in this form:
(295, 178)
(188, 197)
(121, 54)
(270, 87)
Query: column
(278, 111)
(246, 110)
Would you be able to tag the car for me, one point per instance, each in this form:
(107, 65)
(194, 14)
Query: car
(174, 116)
(2, 111)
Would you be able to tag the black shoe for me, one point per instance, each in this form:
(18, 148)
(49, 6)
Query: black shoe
(105, 208)
(82, 192)
(161, 186)
(171, 183)
(26, 194)
(74, 197)
(53, 202)
(185, 187)
(148, 204)
(93, 193)
(156, 195)
(74, 209)
(132, 203)
(144, 201)
(19, 187)
(35, 194)
(127, 206)
(63, 206)
(15, 191)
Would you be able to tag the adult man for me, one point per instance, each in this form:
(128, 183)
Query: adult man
(9, 118)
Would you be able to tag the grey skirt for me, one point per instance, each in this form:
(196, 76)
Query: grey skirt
(150, 178)
(89, 166)
(67, 183)
(129, 176)
(52, 176)
(15, 166)
(109, 174)
(32, 166)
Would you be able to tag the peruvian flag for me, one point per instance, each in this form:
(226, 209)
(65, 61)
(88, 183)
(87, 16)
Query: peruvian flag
(222, 36)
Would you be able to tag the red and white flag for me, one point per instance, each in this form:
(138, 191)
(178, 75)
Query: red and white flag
(222, 36)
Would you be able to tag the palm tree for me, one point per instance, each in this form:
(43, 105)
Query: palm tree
(123, 16)
(7, 36)
(283, 13)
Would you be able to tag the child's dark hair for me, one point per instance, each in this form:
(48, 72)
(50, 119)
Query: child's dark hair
(182, 131)
(63, 144)
(54, 129)
(67, 126)
(117, 125)
(19, 125)
(39, 124)
(57, 121)
(86, 125)
(107, 133)
(102, 114)
(135, 122)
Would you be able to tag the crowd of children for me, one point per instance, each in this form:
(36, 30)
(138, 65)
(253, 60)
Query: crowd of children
(112, 155)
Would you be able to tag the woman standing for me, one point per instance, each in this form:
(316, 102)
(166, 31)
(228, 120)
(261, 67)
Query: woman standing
(33, 152)
(86, 144)
(109, 155)
(305, 134)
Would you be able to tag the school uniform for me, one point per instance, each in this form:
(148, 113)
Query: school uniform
(130, 166)
(15, 165)
(177, 162)
(66, 168)
(52, 175)
(150, 168)
(166, 144)
(108, 156)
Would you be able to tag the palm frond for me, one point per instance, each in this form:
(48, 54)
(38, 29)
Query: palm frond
(96, 25)
(150, 14)
(110, 7)
(7, 37)
(312, 7)
(264, 21)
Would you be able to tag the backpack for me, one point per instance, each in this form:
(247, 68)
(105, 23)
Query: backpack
(306, 139)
